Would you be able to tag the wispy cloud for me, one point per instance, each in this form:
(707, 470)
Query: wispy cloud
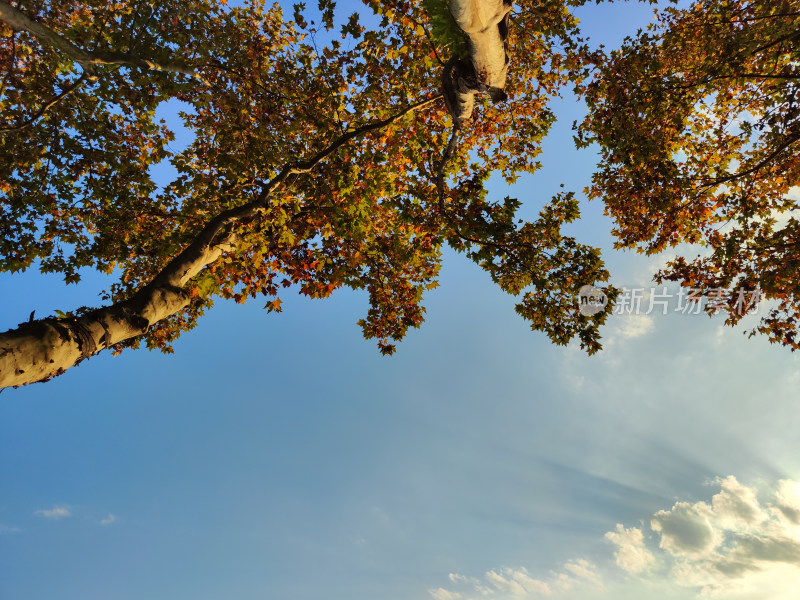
(518, 583)
(4, 529)
(108, 520)
(57, 512)
(634, 326)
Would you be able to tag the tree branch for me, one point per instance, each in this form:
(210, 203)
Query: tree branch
(790, 139)
(19, 21)
(47, 106)
(39, 350)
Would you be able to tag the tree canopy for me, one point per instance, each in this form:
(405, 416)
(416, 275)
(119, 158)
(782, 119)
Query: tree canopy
(698, 119)
(335, 151)
(323, 156)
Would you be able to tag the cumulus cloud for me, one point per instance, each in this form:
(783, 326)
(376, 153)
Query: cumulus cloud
(736, 506)
(685, 529)
(518, 583)
(631, 555)
(734, 546)
(57, 512)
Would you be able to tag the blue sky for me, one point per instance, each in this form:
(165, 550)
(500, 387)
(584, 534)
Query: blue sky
(280, 456)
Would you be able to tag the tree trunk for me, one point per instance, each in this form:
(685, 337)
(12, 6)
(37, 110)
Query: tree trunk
(485, 23)
(41, 349)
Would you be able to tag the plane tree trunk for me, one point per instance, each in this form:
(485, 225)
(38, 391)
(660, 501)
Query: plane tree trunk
(485, 24)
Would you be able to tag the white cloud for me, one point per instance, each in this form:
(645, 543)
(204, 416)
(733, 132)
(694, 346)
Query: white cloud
(631, 555)
(443, 594)
(780, 582)
(625, 327)
(582, 569)
(4, 529)
(57, 512)
(634, 326)
(108, 520)
(736, 506)
(518, 584)
(686, 530)
(733, 547)
(579, 573)
(788, 500)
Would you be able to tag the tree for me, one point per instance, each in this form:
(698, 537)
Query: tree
(699, 118)
(323, 157)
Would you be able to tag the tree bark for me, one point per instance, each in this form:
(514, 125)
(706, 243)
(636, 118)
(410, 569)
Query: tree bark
(485, 23)
(41, 349)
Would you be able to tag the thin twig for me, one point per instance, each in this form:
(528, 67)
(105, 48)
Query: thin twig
(47, 106)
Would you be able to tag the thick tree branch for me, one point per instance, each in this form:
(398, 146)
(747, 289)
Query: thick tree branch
(790, 139)
(41, 349)
(18, 20)
(486, 24)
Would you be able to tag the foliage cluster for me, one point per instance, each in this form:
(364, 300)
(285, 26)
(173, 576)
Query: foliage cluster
(699, 119)
(444, 29)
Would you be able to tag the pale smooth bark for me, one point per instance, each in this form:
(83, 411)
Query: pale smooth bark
(41, 349)
(485, 23)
